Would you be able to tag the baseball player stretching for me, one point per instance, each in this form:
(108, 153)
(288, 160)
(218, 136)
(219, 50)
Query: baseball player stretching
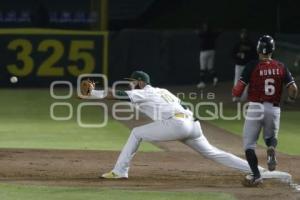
(171, 122)
(265, 78)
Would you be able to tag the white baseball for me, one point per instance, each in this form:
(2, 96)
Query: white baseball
(13, 79)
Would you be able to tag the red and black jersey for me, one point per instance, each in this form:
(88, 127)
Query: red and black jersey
(266, 79)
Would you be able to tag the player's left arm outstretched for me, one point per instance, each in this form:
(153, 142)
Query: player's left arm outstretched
(87, 89)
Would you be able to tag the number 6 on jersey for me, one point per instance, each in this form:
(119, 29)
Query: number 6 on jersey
(269, 86)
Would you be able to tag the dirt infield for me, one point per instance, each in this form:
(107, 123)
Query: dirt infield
(176, 169)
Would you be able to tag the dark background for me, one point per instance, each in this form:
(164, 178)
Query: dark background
(159, 36)
(260, 16)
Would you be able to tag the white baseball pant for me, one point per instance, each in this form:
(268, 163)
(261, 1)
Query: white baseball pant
(186, 130)
(260, 115)
(206, 59)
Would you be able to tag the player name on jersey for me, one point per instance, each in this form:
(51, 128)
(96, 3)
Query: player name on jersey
(268, 72)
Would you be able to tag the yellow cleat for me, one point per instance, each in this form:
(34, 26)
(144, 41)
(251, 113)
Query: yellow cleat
(112, 175)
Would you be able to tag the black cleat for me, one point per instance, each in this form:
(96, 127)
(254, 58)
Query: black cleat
(252, 181)
(272, 162)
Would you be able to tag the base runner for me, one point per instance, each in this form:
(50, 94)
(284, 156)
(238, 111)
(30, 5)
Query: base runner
(266, 78)
(171, 122)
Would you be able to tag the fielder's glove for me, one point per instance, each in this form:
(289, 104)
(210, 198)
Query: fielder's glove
(86, 86)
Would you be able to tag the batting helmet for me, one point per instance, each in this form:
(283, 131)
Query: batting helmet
(265, 45)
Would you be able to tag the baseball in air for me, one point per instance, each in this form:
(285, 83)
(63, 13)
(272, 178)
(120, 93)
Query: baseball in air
(13, 79)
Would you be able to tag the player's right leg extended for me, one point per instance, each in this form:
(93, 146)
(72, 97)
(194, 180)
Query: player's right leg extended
(163, 130)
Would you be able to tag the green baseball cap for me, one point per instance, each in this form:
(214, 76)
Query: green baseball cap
(139, 76)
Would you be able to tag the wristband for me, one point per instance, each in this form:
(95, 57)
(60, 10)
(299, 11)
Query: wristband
(98, 94)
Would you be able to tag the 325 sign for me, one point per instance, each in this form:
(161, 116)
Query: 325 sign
(51, 55)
